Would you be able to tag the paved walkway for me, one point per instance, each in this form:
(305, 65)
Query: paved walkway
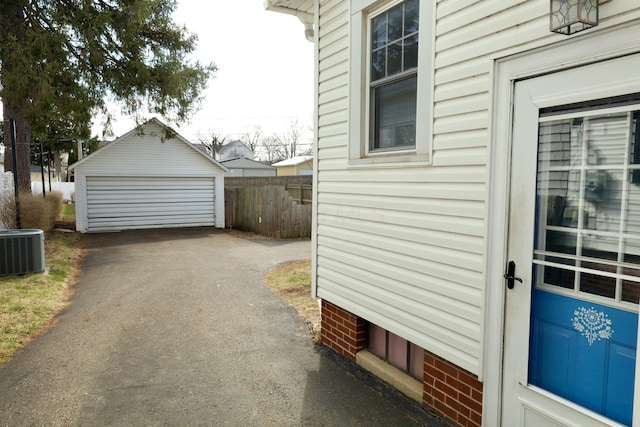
(175, 328)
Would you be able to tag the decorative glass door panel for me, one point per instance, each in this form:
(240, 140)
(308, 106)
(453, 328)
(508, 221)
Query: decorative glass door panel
(586, 260)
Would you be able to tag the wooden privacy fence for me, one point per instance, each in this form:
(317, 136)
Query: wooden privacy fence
(270, 206)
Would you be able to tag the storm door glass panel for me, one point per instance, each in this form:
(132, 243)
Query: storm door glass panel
(586, 259)
(588, 224)
(631, 242)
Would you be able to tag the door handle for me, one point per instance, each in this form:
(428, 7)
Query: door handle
(510, 275)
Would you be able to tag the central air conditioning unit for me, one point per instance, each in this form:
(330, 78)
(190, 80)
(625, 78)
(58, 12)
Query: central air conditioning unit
(21, 251)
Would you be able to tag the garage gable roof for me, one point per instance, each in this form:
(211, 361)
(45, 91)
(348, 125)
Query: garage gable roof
(176, 136)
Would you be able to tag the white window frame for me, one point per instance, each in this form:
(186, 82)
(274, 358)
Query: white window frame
(360, 153)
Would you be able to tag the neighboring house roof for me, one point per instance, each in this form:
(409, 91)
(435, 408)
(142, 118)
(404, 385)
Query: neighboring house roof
(234, 148)
(293, 161)
(134, 131)
(202, 148)
(245, 164)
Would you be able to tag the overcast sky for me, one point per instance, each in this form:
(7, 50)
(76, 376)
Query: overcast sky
(265, 69)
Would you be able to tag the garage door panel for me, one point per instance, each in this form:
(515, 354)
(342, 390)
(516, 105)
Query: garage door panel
(108, 183)
(107, 210)
(148, 197)
(110, 226)
(148, 187)
(145, 214)
(119, 203)
(151, 221)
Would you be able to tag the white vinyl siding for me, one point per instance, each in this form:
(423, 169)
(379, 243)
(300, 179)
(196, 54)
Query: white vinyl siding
(147, 156)
(404, 247)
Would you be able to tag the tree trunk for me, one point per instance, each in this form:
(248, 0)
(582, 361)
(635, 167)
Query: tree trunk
(15, 102)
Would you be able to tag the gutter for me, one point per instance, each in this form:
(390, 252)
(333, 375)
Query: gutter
(307, 19)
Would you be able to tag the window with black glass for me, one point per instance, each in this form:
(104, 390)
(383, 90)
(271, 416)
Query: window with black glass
(394, 77)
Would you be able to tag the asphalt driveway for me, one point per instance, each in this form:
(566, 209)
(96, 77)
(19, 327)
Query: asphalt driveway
(175, 327)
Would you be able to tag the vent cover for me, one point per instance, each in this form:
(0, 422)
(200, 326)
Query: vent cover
(21, 251)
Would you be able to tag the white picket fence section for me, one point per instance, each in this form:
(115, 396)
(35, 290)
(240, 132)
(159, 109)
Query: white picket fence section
(66, 188)
(6, 193)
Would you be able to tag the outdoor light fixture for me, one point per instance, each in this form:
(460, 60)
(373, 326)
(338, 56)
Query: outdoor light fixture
(570, 16)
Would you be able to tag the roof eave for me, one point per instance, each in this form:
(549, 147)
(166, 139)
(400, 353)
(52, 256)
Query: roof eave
(304, 16)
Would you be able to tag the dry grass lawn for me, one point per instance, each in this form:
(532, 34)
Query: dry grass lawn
(29, 302)
(292, 282)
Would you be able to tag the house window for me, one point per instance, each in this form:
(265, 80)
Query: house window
(391, 101)
(393, 76)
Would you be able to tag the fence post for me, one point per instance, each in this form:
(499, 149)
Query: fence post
(14, 158)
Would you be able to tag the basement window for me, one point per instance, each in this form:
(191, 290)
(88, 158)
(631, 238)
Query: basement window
(397, 351)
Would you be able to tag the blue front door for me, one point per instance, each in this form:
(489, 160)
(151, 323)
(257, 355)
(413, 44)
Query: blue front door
(586, 261)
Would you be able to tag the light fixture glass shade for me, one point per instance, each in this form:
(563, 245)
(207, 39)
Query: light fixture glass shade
(571, 16)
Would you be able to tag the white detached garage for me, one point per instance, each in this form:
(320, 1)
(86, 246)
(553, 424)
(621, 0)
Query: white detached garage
(142, 180)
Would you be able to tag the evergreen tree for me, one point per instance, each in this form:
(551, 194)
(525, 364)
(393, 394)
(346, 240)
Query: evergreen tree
(62, 60)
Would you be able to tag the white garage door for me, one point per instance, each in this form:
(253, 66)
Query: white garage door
(121, 203)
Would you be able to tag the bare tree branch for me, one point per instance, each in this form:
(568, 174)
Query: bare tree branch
(252, 137)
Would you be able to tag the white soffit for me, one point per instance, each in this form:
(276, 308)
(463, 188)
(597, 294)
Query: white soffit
(294, 6)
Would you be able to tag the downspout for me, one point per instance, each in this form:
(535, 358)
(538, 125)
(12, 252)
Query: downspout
(307, 19)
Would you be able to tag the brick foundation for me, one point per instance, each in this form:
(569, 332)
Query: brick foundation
(453, 392)
(342, 331)
(447, 389)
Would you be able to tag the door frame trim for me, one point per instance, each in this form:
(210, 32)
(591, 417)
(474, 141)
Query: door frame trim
(574, 52)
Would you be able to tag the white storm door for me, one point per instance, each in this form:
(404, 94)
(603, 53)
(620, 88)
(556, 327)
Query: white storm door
(571, 315)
